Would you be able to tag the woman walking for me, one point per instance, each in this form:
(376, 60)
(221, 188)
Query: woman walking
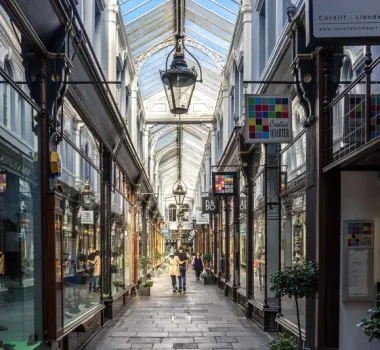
(174, 270)
(198, 265)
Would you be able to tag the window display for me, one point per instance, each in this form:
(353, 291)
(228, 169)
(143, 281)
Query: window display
(20, 226)
(81, 253)
(259, 253)
(293, 246)
(117, 243)
(243, 249)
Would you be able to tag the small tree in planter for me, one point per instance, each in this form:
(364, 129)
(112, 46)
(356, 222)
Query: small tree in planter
(207, 258)
(157, 258)
(371, 326)
(118, 284)
(145, 263)
(299, 281)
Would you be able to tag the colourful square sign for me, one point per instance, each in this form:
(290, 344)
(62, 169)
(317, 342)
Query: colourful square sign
(268, 119)
(359, 234)
(224, 184)
(3, 183)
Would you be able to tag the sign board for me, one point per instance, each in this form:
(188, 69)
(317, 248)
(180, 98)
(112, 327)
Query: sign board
(224, 184)
(358, 260)
(202, 219)
(87, 217)
(268, 119)
(210, 205)
(343, 21)
(243, 204)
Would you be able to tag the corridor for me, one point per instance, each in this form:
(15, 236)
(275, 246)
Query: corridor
(201, 318)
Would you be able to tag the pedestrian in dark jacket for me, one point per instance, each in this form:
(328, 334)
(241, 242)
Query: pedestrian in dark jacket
(198, 265)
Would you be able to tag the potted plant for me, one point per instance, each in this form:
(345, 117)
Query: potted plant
(282, 342)
(118, 284)
(371, 325)
(298, 281)
(207, 258)
(144, 263)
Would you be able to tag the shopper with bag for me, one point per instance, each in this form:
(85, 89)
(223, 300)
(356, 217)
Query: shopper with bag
(198, 265)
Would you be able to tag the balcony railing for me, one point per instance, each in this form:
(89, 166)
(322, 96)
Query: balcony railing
(353, 116)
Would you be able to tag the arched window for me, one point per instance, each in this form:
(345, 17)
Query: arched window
(172, 212)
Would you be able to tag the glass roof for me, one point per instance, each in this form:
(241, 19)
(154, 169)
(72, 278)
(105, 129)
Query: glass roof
(208, 28)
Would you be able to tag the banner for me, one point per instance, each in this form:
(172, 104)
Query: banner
(202, 219)
(243, 204)
(224, 184)
(268, 119)
(210, 205)
(343, 21)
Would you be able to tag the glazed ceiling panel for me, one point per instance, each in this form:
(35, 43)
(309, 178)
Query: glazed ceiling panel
(208, 28)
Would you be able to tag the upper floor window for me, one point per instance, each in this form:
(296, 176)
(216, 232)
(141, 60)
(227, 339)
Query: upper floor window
(172, 212)
(185, 213)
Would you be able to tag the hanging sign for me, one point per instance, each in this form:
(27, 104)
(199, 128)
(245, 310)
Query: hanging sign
(224, 184)
(344, 21)
(210, 205)
(87, 217)
(202, 219)
(268, 119)
(243, 204)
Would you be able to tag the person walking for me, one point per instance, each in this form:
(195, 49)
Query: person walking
(182, 270)
(97, 263)
(198, 265)
(174, 269)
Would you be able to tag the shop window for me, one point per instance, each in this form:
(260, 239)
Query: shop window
(21, 286)
(172, 212)
(81, 249)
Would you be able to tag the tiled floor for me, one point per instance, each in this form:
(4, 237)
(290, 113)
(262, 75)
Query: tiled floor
(200, 318)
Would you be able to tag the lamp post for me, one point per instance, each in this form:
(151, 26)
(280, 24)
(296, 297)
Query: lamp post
(87, 194)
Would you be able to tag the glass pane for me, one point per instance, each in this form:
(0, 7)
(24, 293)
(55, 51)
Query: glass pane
(81, 254)
(20, 221)
(117, 243)
(259, 254)
(127, 245)
(243, 250)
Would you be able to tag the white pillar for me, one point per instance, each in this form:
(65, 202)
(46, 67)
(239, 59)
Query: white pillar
(77, 157)
(246, 10)
(213, 146)
(133, 119)
(89, 18)
(280, 17)
(226, 116)
(111, 11)
(145, 147)
(270, 27)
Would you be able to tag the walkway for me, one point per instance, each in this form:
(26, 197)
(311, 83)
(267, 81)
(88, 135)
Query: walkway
(200, 318)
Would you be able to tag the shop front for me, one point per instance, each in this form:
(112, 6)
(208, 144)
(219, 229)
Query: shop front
(21, 284)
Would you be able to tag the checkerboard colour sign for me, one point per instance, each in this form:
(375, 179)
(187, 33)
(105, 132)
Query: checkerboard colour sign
(224, 184)
(3, 183)
(268, 119)
(359, 234)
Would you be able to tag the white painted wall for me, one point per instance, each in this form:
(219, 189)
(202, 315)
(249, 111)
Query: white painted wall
(360, 200)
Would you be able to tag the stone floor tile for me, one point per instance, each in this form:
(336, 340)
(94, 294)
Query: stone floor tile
(201, 318)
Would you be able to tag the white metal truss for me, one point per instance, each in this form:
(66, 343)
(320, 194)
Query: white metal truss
(217, 58)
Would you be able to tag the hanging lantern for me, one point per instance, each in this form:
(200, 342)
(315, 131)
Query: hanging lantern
(179, 81)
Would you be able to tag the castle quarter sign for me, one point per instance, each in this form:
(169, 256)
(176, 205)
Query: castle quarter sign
(347, 21)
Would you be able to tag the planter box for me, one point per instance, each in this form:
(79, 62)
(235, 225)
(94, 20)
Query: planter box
(207, 280)
(144, 291)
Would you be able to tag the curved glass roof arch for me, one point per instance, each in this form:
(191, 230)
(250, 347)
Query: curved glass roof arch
(208, 27)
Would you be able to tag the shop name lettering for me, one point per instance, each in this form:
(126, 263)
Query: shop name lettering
(229, 188)
(345, 17)
(278, 129)
(14, 165)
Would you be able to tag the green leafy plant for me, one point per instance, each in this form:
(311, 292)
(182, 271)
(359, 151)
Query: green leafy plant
(299, 281)
(371, 325)
(207, 257)
(282, 342)
(118, 283)
(144, 263)
(148, 283)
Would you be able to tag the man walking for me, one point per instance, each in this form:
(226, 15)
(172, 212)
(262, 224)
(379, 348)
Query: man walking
(182, 270)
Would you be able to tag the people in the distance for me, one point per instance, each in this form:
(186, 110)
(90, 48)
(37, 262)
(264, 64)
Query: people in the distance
(174, 269)
(182, 270)
(97, 263)
(198, 265)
